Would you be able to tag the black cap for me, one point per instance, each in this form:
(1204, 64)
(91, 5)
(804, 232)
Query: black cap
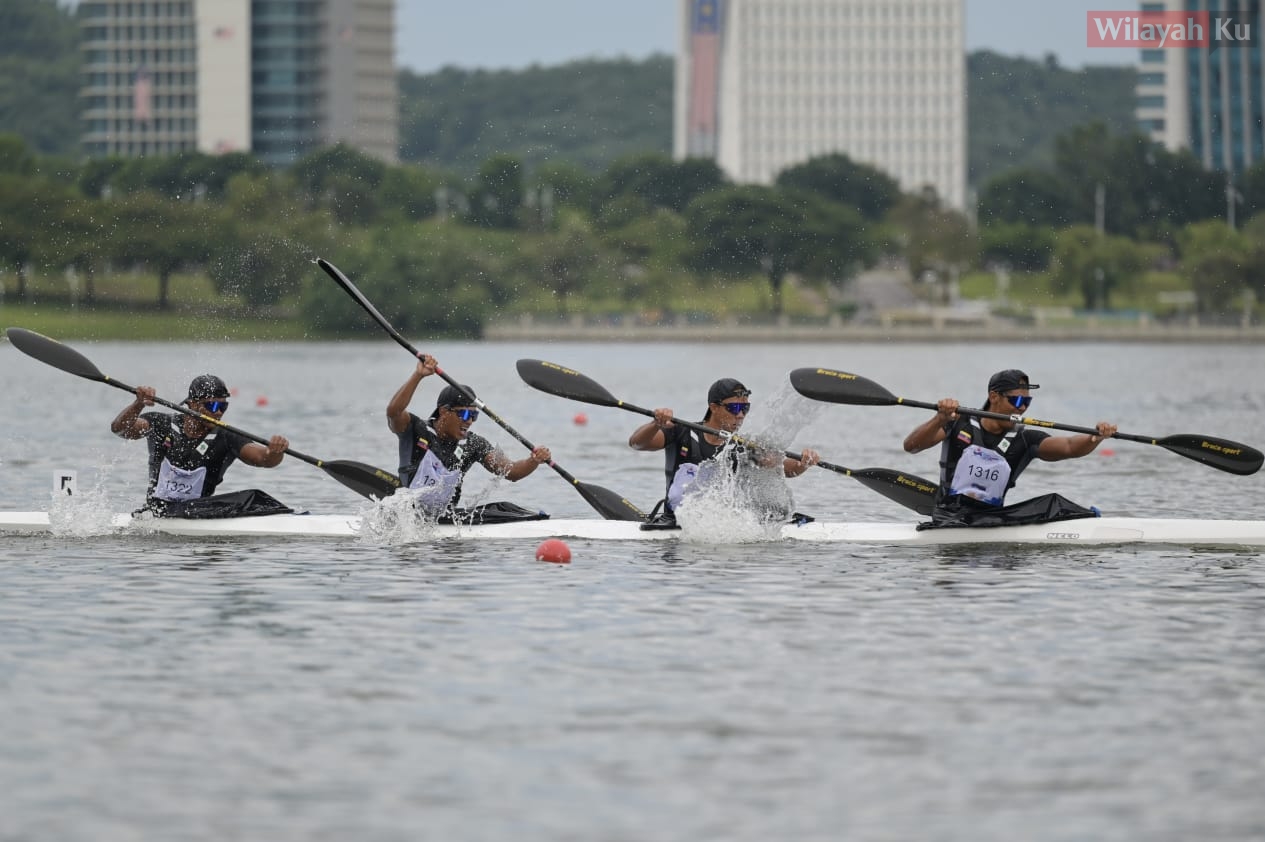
(453, 396)
(1011, 378)
(206, 387)
(725, 387)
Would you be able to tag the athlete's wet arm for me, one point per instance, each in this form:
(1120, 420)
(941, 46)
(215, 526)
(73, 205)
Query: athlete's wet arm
(795, 467)
(932, 432)
(650, 436)
(1054, 449)
(397, 408)
(129, 423)
(498, 463)
(264, 457)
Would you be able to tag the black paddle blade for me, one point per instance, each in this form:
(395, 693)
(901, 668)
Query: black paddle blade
(564, 382)
(1222, 454)
(365, 480)
(912, 492)
(831, 386)
(608, 504)
(53, 353)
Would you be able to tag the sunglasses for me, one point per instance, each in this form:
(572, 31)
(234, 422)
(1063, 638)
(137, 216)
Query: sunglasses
(466, 414)
(1018, 401)
(215, 406)
(737, 408)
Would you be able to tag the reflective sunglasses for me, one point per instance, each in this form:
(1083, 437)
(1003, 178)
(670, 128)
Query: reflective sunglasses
(737, 408)
(1018, 401)
(215, 406)
(467, 414)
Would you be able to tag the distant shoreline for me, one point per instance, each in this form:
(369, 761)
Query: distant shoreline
(738, 332)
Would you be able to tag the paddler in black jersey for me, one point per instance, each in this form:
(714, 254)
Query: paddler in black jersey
(435, 453)
(188, 456)
(980, 458)
(685, 450)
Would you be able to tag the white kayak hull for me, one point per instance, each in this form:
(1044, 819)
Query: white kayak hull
(1103, 530)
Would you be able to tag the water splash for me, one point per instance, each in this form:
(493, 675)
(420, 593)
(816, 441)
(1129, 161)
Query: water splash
(86, 514)
(744, 505)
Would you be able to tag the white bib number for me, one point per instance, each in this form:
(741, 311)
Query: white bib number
(982, 475)
(178, 484)
(435, 485)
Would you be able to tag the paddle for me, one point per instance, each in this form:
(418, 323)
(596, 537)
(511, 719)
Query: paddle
(910, 491)
(826, 384)
(607, 503)
(363, 479)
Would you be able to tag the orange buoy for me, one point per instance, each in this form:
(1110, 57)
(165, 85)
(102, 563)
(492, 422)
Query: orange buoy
(553, 550)
(580, 419)
(262, 400)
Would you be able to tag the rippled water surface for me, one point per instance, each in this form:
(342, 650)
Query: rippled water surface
(163, 688)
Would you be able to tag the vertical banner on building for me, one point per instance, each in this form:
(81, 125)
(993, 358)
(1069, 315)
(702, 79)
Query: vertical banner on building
(143, 96)
(706, 18)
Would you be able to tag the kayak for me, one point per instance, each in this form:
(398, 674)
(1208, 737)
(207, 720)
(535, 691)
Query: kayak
(1101, 530)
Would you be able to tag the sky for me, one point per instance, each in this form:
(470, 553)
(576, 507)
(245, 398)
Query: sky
(496, 34)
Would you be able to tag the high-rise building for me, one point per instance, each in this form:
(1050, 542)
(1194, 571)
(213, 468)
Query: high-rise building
(1207, 97)
(762, 85)
(277, 78)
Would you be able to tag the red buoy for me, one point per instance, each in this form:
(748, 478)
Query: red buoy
(580, 419)
(553, 550)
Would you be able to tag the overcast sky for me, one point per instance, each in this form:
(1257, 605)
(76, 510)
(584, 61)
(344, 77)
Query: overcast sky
(517, 33)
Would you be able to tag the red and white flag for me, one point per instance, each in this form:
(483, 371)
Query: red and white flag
(705, 29)
(143, 96)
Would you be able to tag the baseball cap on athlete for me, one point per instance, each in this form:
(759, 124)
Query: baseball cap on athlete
(1011, 378)
(206, 387)
(452, 396)
(726, 387)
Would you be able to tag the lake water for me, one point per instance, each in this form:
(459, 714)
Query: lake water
(159, 688)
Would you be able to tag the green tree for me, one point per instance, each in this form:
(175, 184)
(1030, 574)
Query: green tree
(1221, 263)
(165, 235)
(659, 181)
(739, 231)
(1018, 245)
(39, 74)
(1027, 197)
(840, 179)
(933, 238)
(498, 193)
(1095, 264)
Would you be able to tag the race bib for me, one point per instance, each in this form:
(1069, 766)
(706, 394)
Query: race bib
(982, 475)
(435, 485)
(178, 484)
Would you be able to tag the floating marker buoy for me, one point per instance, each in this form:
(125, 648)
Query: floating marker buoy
(1107, 452)
(262, 400)
(580, 419)
(553, 550)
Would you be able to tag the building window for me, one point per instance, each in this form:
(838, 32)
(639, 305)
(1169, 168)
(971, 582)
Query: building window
(1152, 101)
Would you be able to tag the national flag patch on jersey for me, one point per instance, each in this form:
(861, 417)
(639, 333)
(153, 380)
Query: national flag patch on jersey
(964, 436)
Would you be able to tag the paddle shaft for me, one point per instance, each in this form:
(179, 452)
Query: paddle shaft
(591, 494)
(351, 289)
(1028, 422)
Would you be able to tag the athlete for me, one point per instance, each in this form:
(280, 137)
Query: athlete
(188, 456)
(685, 450)
(981, 458)
(436, 453)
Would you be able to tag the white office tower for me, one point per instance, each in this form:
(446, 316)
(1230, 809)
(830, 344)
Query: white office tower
(762, 85)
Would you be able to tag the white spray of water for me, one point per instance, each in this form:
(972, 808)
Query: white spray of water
(399, 520)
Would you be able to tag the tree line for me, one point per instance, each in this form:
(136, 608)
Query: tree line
(449, 253)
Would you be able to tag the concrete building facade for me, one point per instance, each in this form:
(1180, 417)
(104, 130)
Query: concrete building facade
(762, 85)
(277, 78)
